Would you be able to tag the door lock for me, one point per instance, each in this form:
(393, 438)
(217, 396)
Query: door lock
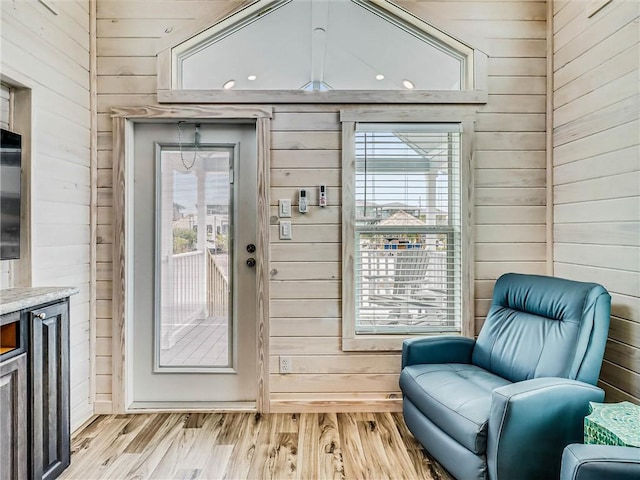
(251, 248)
(251, 262)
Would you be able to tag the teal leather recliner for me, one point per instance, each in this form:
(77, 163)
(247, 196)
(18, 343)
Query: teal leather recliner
(504, 406)
(600, 462)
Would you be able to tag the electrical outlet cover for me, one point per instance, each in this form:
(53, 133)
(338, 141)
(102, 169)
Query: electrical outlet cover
(285, 365)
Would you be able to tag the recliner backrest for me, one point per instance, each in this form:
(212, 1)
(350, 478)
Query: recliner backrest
(544, 327)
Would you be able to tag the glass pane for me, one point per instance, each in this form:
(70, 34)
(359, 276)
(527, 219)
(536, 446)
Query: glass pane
(321, 45)
(403, 178)
(194, 226)
(405, 287)
(407, 193)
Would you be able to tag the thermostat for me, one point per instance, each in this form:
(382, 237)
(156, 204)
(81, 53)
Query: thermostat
(322, 196)
(302, 201)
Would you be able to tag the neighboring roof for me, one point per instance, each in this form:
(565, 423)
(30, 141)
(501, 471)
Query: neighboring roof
(395, 205)
(401, 218)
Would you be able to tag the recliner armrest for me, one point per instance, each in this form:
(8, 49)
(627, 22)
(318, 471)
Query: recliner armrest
(440, 349)
(593, 462)
(530, 423)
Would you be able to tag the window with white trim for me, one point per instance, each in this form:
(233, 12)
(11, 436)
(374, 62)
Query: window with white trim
(320, 46)
(407, 228)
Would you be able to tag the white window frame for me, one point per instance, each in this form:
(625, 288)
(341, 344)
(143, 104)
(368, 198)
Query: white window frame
(472, 49)
(352, 341)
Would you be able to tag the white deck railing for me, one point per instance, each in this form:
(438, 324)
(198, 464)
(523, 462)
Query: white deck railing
(196, 288)
(188, 288)
(217, 288)
(394, 295)
(382, 263)
(187, 295)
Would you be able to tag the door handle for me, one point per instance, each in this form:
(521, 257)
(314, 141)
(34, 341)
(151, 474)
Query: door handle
(251, 262)
(40, 315)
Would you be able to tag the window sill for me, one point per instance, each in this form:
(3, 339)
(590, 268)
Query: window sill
(385, 343)
(455, 97)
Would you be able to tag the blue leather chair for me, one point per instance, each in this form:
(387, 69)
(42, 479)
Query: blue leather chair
(504, 406)
(599, 462)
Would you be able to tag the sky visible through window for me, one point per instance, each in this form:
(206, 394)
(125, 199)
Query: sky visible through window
(217, 188)
(390, 170)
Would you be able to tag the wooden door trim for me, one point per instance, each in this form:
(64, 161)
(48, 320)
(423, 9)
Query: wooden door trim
(123, 121)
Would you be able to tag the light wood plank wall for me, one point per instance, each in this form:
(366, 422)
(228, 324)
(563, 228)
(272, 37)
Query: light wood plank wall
(50, 54)
(305, 285)
(5, 122)
(5, 93)
(597, 170)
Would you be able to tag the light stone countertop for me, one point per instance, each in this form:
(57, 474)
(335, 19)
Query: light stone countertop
(14, 299)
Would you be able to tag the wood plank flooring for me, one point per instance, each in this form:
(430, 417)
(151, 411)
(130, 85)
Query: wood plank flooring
(249, 446)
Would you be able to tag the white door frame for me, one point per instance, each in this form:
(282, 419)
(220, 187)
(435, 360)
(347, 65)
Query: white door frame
(123, 120)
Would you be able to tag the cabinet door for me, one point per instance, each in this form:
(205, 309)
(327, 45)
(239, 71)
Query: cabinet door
(49, 354)
(13, 418)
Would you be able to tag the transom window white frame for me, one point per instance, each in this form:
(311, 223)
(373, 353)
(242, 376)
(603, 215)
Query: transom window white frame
(464, 116)
(474, 88)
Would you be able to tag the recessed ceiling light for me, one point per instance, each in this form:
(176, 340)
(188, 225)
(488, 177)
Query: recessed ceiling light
(379, 77)
(251, 77)
(229, 84)
(408, 84)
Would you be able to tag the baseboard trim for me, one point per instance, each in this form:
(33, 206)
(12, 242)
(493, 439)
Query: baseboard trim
(102, 407)
(337, 406)
(83, 425)
(105, 407)
(169, 407)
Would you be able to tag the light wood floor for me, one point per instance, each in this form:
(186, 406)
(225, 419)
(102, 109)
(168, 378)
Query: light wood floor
(249, 446)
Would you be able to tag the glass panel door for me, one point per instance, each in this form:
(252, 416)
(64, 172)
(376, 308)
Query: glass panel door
(194, 232)
(193, 307)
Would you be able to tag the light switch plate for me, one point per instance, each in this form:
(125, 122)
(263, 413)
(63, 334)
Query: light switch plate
(284, 208)
(285, 230)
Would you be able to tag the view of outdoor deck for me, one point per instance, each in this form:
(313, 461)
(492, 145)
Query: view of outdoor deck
(199, 332)
(193, 325)
(405, 287)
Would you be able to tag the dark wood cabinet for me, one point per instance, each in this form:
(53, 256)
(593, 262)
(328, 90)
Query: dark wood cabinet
(34, 392)
(13, 418)
(49, 390)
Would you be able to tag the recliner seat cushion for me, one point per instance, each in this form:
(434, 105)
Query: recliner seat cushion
(456, 397)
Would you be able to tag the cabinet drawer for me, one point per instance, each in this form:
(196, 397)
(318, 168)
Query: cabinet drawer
(13, 339)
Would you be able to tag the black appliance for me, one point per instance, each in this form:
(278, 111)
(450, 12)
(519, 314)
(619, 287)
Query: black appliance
(10, 193)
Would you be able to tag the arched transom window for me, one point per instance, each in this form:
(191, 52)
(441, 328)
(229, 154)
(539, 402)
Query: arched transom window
(320, 46)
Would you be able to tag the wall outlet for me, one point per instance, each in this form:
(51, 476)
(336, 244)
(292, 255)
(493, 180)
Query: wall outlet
(285, 365)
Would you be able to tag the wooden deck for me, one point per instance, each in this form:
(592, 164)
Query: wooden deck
(205, 342)
(237, 446)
